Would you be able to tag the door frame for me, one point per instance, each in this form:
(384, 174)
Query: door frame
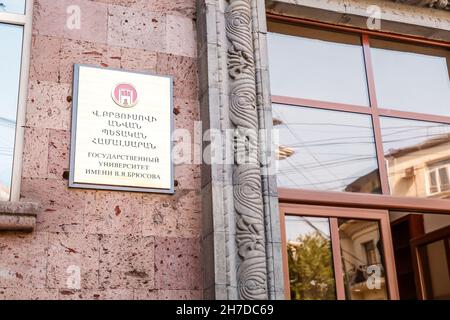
(342, 212)
(421, 269)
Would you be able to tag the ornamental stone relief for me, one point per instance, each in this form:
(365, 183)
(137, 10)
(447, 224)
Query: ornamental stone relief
(247, 192)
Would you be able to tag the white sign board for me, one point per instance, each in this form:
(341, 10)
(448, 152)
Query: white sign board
(121, 131)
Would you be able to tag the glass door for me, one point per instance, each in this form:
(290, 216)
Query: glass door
(337, 253)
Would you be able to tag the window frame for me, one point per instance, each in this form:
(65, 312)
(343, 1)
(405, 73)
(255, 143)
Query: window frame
(421, 273)
(436, 169)
(374, 201)
(24, 20)
(333, 213)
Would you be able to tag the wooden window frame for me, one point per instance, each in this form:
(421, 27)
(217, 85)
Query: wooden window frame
(24, 20)
(287, 209)
(360, 200)
(423, 291)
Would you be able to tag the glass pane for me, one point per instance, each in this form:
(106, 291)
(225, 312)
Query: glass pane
(362, 260)
(13, 6)
(10, 60)
(443, 179)
(325, 150)
(411, 78)
(412, 149)
(435, 270)
(316, 64)
(433, 182)
(310, 260)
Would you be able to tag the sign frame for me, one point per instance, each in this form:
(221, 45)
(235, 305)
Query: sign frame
(73, 138)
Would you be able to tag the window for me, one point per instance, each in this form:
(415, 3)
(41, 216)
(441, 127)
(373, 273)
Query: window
(331, 150)
(371, 254)
(337, 253)
(357, 113)
(438, 178)
(411, 148)
(363, 126)
(15, 32)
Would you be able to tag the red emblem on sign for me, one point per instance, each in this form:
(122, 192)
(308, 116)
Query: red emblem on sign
(125, 95)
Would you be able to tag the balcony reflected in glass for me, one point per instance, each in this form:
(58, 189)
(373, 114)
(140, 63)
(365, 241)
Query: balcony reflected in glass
(417, 157)
(362, 259)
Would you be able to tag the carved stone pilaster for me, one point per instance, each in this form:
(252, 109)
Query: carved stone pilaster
(250, 235)
(241, 229)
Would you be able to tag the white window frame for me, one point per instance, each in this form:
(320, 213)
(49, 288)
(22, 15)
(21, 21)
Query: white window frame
(24, 20)
(438, 178)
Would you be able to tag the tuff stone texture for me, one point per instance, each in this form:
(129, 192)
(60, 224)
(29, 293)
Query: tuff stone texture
(73, 252)
(180, 35)
(112, 237)
(44, 62)
(51, 19)
(134, 28)
(83, 52)
(100, 294)
(184, 72)
(114, 213)
(36, 156)
(58, 153)
(127, 262)
(177, 264)
(178, 216)
(48, 106)
(23, 260)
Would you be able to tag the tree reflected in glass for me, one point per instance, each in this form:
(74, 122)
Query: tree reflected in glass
(310, 259)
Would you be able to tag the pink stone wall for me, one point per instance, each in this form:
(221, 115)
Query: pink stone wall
(126, 245)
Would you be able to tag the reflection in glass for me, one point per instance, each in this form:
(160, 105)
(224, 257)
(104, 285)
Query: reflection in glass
(417, 157)
(13, 6)
(331, 150)
(310, 259)
(10, 59)
(435, 270)
(362, 259)
(316, 64)
(411, 78)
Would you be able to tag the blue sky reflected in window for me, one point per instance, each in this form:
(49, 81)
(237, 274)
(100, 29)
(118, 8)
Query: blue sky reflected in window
(10, 62)
(12, 6)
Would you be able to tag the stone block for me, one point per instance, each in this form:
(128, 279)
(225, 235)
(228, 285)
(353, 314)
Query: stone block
(177, 264)
(49, 105)
(44, 62)
(23, 260)
(73, 261)
(184, 72)
(126, 262)
(35, 154)
(58, 153)
(134, 28)
(83, 52)
(71, 19)
(180, 36)
(114, 213)
(62, 208)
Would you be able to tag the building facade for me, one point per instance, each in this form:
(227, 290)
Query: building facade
(310, 151)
